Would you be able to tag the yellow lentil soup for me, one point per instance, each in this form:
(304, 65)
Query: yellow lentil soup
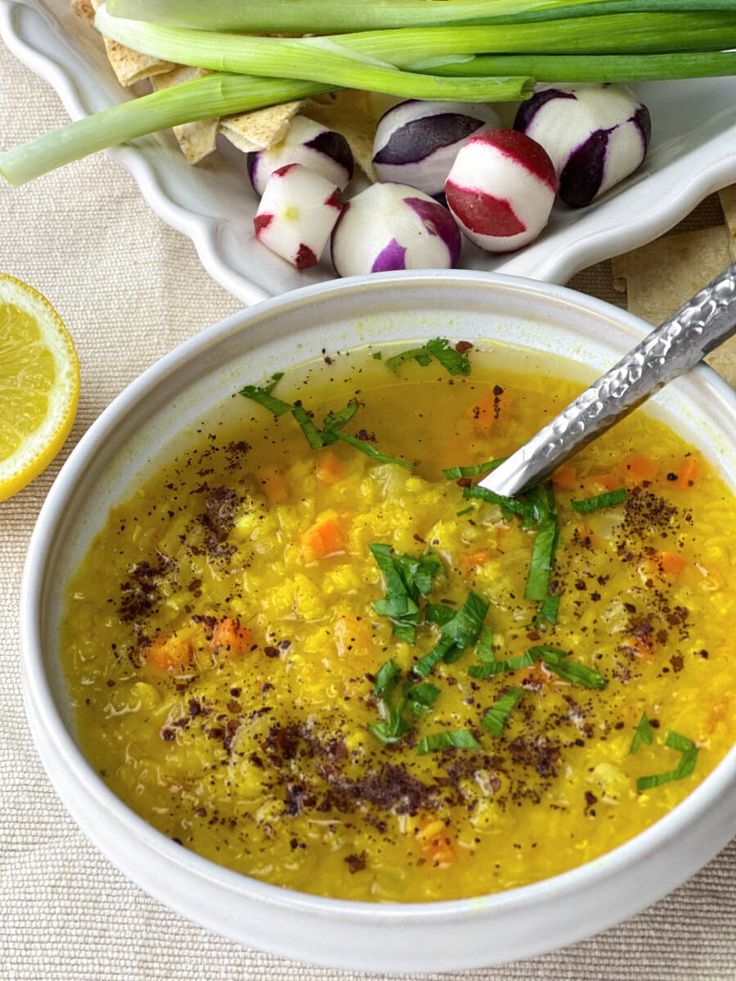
(304, 651)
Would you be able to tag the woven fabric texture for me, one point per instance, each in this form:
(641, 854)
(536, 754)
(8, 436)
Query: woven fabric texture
(130, 289)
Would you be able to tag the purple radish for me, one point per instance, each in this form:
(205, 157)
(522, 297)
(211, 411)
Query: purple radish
(297, 214)
(416, 142)
(501, 190)
(392, 226)
(310, 144)
(595, 135)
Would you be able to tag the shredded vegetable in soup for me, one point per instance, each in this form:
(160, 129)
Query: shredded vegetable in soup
(312, 649)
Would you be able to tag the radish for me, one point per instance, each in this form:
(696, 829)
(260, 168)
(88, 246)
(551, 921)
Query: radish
(417, 142)
(307, 143)
(296, 214)
(392, 226)
(595, 135)
(501, 189)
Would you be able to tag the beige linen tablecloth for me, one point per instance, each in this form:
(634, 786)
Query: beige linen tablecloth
(130, 289)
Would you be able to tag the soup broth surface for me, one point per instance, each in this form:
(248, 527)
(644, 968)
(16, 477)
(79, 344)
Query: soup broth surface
(249, 680)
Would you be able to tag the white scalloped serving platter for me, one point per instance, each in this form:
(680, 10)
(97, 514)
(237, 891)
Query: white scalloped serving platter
(693, 153)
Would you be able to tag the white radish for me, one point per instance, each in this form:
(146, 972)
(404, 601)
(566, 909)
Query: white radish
(392, 226)
(501, 190)
(297, 214)
(416, 142)
(596, 135)
(308, 143)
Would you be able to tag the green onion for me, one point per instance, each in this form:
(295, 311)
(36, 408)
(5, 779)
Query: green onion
(644, 734)
(495, 719)
(454, 739)
(491, 668)
(338, 420)
(607, 500)
(511, 504)
(484, 650)
(439, 349)
(203, 98)
(545, 542)
(688, 758)
(317, 59)
(371, 451)
(421, 697)
(576, 674)
(386, 679)
(454, 473)
(311, 433)
(319, 16)
(596, 68)
(548, 610)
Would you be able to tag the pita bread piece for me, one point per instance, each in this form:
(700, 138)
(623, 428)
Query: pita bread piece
(355, 114)
(728, 203)
(196, 140)
(260, 129)
(129, 66)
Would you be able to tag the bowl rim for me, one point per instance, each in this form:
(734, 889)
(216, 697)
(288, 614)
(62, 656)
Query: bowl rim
(39, 698)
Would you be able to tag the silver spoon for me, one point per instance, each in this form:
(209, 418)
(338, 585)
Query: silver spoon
(671, 349)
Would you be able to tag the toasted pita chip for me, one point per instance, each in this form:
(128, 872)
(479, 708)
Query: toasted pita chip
(196, 140)
(131, 66)
(354, 114)
(661, 276)
(260, 129)
(83, 9)
(728, 203)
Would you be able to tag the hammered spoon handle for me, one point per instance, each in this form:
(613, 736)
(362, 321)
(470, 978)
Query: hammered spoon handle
(671, 349)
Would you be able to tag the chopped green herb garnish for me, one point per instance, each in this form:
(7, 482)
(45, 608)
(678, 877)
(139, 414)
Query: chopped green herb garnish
(440, 349)
(644, 734)
(459, 514)
(386, 679)
(607, 500)
(484, 651)
(458, 632)
(371, 451)
(544, 515)
(406, 578)
(688, 758)
(263, 397)
(275, 379)
(377, 355)
(391, 729)
(438, 613)
(521, 508)
(457, 739)
(548, 609)
(491, 668)
(421, 697)
(311, 433)
(454, 473)
(497, 715)
(338, 420)
(578, 674)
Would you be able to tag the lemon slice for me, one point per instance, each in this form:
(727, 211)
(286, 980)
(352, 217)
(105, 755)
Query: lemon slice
(39, 384)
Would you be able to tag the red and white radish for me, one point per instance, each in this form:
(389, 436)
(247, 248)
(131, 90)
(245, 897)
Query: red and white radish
(308, 143)
(501, 190)
(297, 214)
(595, 135)
(392, 226)
(416, 142)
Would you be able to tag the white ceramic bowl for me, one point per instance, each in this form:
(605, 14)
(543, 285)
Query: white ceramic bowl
(148, 420)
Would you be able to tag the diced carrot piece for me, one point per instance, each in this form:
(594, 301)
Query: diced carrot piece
(169, 653)
(602, 482)
(487, 411)
(671, 562)
(688, 473)
(274, 485)
(639, 468)
(472, 561)
(324, 538)
(329, 468)
(436, 844)
(231, 637)
(565, 478)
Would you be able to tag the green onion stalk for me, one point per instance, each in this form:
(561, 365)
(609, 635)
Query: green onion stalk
(597, 68)
(336, 16)
(311, 59)
(203, 98)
